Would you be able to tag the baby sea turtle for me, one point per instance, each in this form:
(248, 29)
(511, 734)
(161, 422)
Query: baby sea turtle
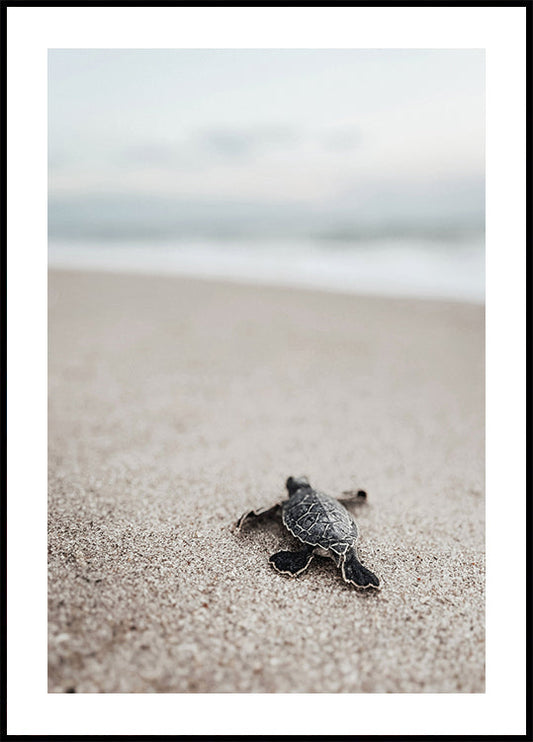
(323, 525)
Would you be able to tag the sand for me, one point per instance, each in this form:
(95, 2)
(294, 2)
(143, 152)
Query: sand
(176, 404)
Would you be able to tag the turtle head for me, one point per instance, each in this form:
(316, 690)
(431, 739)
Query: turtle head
(295, 483)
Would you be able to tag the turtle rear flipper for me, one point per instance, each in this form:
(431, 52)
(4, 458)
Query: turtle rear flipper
(292, 562)
(353, 571)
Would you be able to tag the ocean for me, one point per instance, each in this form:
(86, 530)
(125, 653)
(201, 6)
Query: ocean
(278, 245)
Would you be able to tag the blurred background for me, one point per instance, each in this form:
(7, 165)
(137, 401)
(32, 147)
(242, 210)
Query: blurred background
(351, 170)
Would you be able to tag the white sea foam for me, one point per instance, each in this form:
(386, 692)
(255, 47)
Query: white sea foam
(388, 267)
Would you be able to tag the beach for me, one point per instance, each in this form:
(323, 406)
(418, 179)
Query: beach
(178, 403)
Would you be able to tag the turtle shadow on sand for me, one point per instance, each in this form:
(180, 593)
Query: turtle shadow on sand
(323, 525)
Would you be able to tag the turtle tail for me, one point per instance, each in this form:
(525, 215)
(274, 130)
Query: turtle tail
(353, 571)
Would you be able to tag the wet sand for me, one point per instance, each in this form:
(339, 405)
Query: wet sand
(176, 404)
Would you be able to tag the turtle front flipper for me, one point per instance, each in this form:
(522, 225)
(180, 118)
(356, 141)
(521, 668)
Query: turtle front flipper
(353, 571)
(292, 562)
(257, 513)
(352, 496)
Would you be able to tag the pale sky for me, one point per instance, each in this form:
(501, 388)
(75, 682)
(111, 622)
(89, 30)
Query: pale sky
(309, 126)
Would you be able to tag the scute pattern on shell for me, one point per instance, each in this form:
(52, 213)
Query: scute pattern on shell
(318, 519)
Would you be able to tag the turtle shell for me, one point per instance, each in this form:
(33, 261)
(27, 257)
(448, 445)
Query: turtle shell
(318, 519)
